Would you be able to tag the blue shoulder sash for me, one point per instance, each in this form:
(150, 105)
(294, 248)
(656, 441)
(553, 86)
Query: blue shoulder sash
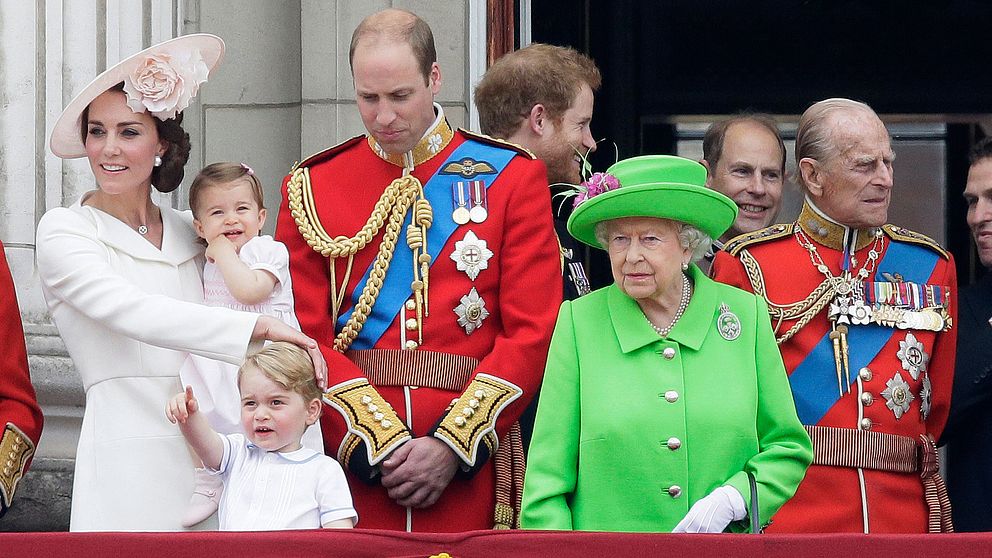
(438, 190)
(814, 382)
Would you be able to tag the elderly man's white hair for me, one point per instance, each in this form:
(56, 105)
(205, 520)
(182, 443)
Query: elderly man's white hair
(814, 138)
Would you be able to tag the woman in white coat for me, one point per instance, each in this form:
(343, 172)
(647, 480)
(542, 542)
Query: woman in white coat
(121, 276)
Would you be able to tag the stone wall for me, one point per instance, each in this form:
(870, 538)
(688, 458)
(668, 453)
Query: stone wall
(283, 92)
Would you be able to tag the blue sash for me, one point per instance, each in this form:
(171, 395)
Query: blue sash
(396, 286)
(814, 381)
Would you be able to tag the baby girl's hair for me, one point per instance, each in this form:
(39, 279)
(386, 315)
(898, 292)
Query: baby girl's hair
(287, 365)
(220, 174)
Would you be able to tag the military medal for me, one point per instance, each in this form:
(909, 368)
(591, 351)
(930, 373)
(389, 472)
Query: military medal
(471, 255)
(468, 199)
(897, 395)
(459, 203)
(847, 304)
(913, 356)
(471, 312)
(925, 393)
(477, 194)
(579, 279)
(727, 323)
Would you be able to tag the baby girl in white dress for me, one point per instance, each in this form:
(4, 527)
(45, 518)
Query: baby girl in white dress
(244, 271)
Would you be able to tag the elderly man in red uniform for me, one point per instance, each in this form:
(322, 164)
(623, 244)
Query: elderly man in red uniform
(20, 415)
(864, 314)
(424, 258)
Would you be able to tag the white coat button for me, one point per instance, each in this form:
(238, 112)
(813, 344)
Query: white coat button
(674, 443)
(675, 491)
(671, 396)
(668, 353)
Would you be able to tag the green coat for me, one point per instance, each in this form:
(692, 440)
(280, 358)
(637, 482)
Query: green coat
(612, 405)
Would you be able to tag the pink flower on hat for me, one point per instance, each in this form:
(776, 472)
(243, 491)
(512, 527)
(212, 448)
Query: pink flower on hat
(165, 83)
(598, 183)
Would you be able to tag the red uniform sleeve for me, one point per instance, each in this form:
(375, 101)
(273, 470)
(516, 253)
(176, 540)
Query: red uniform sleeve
(529, 297)
(20, 415)
(941, 368)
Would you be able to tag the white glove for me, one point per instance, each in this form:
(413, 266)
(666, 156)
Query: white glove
(713, 513)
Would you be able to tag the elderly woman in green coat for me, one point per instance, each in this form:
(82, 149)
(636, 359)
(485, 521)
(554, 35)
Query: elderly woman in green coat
(665, 404)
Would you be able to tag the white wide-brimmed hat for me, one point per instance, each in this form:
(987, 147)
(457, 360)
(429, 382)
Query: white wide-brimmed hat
(161, 79)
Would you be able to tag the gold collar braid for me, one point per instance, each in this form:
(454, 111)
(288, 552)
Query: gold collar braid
(434, 141)
(830, 233)
(391, 209)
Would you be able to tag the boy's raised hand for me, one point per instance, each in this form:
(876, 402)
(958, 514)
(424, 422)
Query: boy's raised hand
(181, 406)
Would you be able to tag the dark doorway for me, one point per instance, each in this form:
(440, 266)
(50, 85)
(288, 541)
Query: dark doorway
(668, 61)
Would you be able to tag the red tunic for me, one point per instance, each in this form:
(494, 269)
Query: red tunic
(521, 289)
(20, 416)
(830, 498)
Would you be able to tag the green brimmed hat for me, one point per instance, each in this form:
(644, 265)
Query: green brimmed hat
(662, 186)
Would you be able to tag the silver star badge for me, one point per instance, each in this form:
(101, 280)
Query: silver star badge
(897, 395)
(471, 311)
(925, 397)
(471, 255)
(913, 356)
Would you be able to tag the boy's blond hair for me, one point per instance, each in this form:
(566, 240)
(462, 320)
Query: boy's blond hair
(287, 365)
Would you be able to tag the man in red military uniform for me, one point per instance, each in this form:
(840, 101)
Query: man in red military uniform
(425, 260)
(865, 316)
(20, 415)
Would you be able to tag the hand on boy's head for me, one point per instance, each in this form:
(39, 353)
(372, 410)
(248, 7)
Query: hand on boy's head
(181, 406)
(319, 365)
(220, 246)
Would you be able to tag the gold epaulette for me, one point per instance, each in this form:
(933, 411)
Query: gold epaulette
(912, 237)
(483, 138)
(471, 419)
(15, 450)
(369, 417)
(321, 156)
(740, 242)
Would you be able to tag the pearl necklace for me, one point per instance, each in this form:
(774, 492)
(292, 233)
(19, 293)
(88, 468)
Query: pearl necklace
(683, 303)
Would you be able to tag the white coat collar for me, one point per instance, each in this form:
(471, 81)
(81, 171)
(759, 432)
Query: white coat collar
(179, 240)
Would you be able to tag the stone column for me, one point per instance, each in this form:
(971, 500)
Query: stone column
(50, 50)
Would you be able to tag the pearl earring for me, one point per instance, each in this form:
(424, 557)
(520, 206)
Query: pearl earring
(685, 266)
(158, 160)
